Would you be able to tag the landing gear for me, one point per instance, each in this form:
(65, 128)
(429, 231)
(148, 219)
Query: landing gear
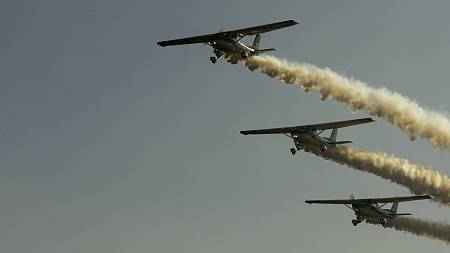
(323, 148)
(244, 55)
(293, 151)
(358, 220)
(218, 54)
(383, 222)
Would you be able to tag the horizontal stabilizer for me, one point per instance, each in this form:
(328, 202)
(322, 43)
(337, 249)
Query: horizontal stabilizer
(259, 51)
(339, 142)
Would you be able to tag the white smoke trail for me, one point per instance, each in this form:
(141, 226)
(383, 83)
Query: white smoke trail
(419, 179)
(422, 227)
(397, 109)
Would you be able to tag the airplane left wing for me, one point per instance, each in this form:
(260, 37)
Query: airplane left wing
(280, 130)
(370, 201)
(189, 40)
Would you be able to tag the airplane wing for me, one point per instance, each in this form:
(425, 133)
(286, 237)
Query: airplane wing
(189, 40)
(323, 126)
(370, 201)
(340, 124)
(280, 130)
(233, 33)
(262, 28)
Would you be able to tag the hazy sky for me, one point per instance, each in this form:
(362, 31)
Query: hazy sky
(110, 143)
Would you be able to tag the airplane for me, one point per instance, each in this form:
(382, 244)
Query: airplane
(370, 210)
(228, 44)
(308, 137)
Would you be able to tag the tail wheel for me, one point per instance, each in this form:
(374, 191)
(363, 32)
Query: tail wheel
(213, 59)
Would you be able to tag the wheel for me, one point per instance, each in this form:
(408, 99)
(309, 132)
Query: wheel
(213, 59)
(355, 222)
(293, 151)
(323, 148)
(383, 222)
(244, 55)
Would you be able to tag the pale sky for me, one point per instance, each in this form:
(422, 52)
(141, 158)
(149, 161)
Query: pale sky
(110, 143)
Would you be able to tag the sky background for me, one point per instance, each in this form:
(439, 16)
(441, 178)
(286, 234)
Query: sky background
(110, 143)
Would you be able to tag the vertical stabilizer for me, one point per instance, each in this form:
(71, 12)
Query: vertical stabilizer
(256, 41)
(394, 207)
(333, 135)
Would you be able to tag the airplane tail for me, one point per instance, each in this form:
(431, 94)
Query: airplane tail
(256, 42)
(332, 139)
(394, 208)
(333, 135)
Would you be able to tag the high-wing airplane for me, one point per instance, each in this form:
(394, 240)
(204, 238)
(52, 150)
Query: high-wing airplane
(308, 136)
(228, 43)
(370, 209)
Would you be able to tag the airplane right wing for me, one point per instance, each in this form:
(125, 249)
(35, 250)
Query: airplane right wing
(189, 40)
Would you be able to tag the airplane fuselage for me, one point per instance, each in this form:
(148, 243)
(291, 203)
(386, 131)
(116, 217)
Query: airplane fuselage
(233, 50)
(369, 211)
(372, 213)
(311, 141)
(228, 45)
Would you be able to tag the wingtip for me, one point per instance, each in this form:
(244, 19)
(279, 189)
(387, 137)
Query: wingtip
(160, 44)
(243, 132)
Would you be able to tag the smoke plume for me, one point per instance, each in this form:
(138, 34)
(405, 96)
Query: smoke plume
(395, 108)
(421, 227)
(419, 179)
